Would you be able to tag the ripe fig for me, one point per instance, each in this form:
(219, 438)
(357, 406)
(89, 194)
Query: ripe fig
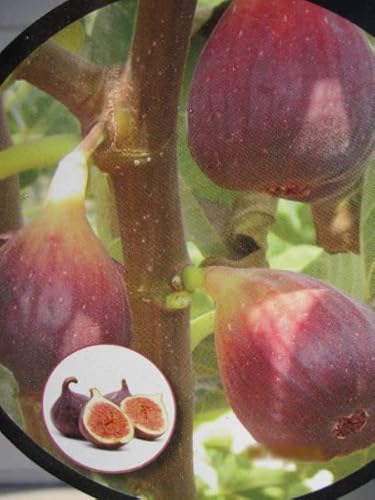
(147, 414)
(66, 410)
(282, 101)
(60, 290)
(118, 396)
(297, 360)
(103, 423)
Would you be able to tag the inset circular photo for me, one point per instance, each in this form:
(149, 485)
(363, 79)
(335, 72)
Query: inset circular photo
(109, 409)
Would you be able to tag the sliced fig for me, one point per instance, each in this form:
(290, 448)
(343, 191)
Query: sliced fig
(67, 408)
(148, 415)
(118, 396)
(104, 424)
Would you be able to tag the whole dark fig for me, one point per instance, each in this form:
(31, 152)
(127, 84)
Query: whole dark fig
(103, 423)
(147, 414)
(60, 290)
(118, 396)
(66, 410)
(283, 101)
(297, 360)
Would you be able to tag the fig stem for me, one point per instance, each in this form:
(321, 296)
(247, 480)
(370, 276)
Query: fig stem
(178, 300)
(70, 179)
(193, 278)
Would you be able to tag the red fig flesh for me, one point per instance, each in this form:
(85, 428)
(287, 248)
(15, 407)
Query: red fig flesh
(118, 396)
(283, 101)
(60, 290)
(147, 414)
(297, 360)
(104, 424)
(66, 410)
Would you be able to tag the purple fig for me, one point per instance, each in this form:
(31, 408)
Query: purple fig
(67, 408)
(282, 101)
(60, 290)
(104, 424)
(118, 396)
(297, 360)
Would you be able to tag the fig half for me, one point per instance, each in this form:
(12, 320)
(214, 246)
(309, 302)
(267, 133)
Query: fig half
(148, 415)
(103, 423)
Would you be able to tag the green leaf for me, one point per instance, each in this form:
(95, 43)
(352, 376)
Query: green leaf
(110, 33)
(295, 258)
(9, 396)
(26, 156)
(367, 231)
(294, 223)
(344, 271)
(197, 226)
(71, 37)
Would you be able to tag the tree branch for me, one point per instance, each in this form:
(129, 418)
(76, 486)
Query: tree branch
(77, 83)
(140, 156)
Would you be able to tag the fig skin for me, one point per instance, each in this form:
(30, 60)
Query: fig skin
(60, 291)
(118, 396)
(66, 410)
(147, 414)
(109, 417)
(282, 101)
(297, 361)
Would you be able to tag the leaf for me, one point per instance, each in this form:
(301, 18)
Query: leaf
(294, 223)
(367, 231)
(205, 363)
(9, 396)
(344, 271)
(197, 226)
(71, 37)
(111, 33)
(295, 258)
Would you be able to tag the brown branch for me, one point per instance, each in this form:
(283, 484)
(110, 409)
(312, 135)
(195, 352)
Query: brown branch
(10, 205)
(140, 156)
(67, 77)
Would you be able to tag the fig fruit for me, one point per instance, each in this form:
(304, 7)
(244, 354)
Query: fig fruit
(297, 361)
(66, 410)
(103, 423)
(282, 101)
(60, 290)
(118, 396)
(148, 415)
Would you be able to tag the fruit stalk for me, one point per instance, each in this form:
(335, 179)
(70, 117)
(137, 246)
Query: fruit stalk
(145, 185)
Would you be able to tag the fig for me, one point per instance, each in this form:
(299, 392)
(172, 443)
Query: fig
(118, 396)
(60, 290)
(282, 101)
(66, 410)
(148, 415)
(103, 423)
(297, 361)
